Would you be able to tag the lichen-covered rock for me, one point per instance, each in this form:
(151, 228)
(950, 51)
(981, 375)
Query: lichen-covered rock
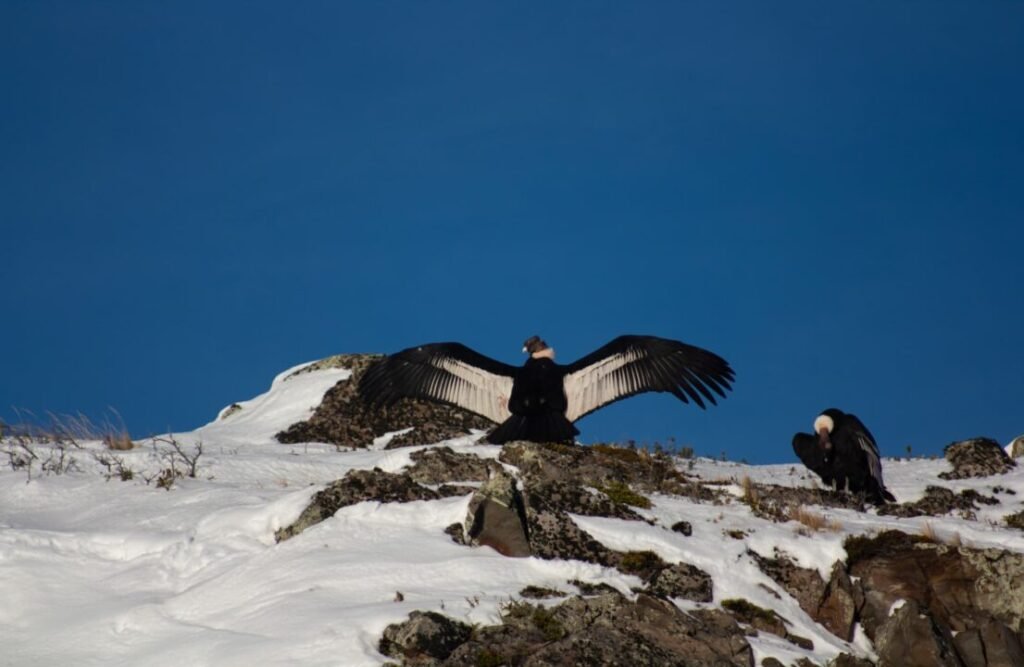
(343, 419)
(681, 580)
(607, 630)
(938, 501)
(358, 486)
(424, 639)
(977, 457)
(601, 466)
(440, 465)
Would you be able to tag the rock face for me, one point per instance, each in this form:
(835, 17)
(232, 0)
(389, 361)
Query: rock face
(361, 485)
(938, 501)
(425, 639)
(978, 457)
(343, 419)
(975, 594)
(605, 630)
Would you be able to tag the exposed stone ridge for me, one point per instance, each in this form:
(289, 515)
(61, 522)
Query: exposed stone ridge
(343, 419)
(977, 457)
(361, 485)
(605, 630)
(938, 501)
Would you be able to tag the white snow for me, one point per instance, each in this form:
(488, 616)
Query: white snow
(98, 572)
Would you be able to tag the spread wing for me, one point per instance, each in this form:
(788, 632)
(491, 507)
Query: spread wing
(631, 365)
(444, 372)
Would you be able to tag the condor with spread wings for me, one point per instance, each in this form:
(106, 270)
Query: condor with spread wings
(540, 400)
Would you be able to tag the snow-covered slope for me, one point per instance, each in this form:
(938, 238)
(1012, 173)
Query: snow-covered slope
(98, 571)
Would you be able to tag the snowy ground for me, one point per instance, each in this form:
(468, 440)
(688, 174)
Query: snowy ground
(108, 572)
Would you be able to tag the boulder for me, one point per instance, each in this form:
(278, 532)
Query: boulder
(424, 639)
(977, 457)
(607, 630)
(439, 465)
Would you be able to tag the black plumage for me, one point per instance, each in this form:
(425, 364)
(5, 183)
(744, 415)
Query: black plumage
(540, 400)
(844, 454)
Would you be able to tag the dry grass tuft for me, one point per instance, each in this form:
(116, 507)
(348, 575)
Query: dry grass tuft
(750, 495)
(813, 521)
(118, 441)
(929, 533)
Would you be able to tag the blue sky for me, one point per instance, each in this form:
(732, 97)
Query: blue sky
(831, 196)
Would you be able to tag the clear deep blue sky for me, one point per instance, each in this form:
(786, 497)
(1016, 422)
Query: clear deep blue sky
(195, 196)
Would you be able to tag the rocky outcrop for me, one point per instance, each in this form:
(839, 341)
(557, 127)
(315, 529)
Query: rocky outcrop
(359, 486)
(977, 457)
(343, 419)
(608, 629)
(439, 465)
(938, 501)
(933, 604)
(425, 639)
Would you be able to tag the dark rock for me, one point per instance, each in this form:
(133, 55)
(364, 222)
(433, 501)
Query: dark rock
(977, 457)
(358, 486)
(938, 501)
(343, 419)
(601, 466)
(575, 499)
(961, 588)
(1015, 520)
(837, 610)
(607, 630)
(683, 527)
(847, 660)
(498, 517)
(423, 639)
(992, 645)
(540, 593)
(777, 503)
(771, 662)
(437, 465)
(681, 580)
(805, 585)
(764, 620)
(911, 638)
(834, 603)
(587, 588)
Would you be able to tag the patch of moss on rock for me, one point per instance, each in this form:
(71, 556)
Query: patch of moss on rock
(620, 493)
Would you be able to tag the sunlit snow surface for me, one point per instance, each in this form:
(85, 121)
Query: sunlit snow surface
(97, 572)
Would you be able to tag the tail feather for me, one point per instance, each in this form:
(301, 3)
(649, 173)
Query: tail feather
(547, 427)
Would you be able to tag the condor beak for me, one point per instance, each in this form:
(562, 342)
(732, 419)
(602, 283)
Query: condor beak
(524, 349)
(824, 440)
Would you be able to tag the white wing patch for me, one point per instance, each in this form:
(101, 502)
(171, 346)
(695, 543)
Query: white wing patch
(873, 461)
(474, 389)
(600, 383)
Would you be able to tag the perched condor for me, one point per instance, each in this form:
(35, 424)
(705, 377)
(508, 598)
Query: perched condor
(843, 453)
(540, 400)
